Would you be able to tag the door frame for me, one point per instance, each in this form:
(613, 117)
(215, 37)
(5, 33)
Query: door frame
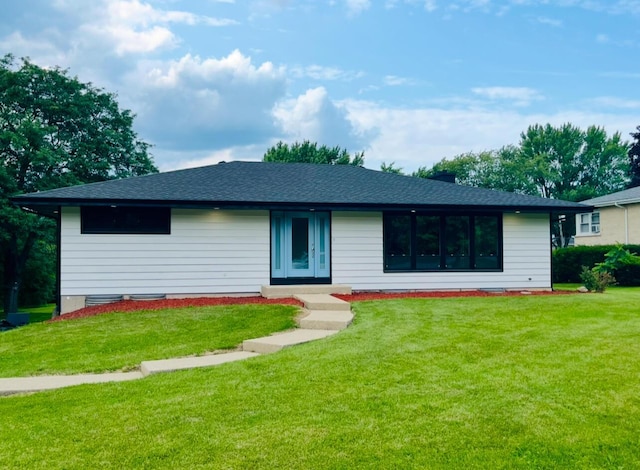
(281, 269)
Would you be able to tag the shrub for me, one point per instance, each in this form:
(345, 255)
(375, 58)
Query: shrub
(596, 281)
(567, 262)
(628, 272)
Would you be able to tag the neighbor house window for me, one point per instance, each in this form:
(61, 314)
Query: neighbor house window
(589, 223)
(125, 220)
(433, 242)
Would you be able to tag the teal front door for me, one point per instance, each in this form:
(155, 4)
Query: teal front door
(300, 245)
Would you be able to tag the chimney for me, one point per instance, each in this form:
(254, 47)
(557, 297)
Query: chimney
(446, 176)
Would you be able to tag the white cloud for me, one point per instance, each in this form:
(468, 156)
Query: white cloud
(423, 136)
(520, 96)
(313, 116)
(615, 102)
(549, 21)
(356, 7)
(133, 27)
(393, 80)
(430, 5)
(197, 104)
(319, 72)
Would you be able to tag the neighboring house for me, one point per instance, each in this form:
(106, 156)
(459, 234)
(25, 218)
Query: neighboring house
(615, 219)
(233, 227)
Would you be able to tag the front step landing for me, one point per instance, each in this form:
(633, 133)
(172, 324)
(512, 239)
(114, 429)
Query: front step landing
(323, 302)
(274, 343)
(279, 292)
(325, 319)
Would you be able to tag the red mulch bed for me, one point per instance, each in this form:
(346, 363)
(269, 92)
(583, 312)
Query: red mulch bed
(133, 305)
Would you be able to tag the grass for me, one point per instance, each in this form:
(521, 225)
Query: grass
(523, 382)
(39, 314)
(120, 341)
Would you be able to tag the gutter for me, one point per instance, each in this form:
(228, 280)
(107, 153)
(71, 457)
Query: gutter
(626, 221)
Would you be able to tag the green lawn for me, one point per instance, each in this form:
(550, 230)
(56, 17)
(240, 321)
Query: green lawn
(120, 341)
(38, 314)
(505, 382)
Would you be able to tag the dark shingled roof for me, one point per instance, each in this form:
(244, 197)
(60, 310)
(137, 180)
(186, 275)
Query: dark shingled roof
(289, 185)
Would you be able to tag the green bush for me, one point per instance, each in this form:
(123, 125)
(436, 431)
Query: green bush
(628, 272)
(596, 281)
(568, 262)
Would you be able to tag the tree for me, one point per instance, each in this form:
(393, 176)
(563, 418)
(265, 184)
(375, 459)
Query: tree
(634, 159)
(554, 162)
(390, 168)
(307, 152)
(54, 131)
(489, 169)
(568, 163)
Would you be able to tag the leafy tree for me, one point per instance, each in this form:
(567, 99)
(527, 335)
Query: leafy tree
(54, 131)
(308, 152)
(554, 162)
(492, 169)
(390, 168)
(571, 164)
(634, 159)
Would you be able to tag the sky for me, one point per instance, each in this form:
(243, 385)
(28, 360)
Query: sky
(408, 82)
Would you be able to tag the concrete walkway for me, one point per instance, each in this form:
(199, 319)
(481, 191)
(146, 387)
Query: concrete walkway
(322, 316)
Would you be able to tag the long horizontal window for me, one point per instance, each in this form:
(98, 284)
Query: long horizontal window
(126, 220)
(433, 242)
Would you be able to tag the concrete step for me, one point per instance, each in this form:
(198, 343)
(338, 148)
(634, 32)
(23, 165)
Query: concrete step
(9, 386)
(279, 292)
(323, 302)
(274, 343)
(326, 319)
(169, 365)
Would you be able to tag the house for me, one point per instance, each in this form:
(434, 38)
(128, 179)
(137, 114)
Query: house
(615, 219)
(233, 227)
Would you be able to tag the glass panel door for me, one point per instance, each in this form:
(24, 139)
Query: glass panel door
(300, 245)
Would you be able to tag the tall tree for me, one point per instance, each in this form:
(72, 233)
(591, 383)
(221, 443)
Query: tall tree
(554, 162)
(310, 152)
(488, 169)
(568, 163)
(634, 159)
(54, 131)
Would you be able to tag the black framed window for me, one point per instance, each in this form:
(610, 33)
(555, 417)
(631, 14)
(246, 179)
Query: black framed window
(125, 220)
(434, 242)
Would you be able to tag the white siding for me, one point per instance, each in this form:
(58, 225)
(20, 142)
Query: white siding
(207, 252)
(357, 257)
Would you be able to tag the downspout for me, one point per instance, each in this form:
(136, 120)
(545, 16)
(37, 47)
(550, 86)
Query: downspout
(58, 307)
(626, 222)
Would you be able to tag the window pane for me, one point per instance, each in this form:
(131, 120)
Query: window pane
(595, 218)
(277, 256)
(300, 242)
(397, 242)
(427, 242)
(126, 220)
(486, 242)
(322, 242)
(457, 242)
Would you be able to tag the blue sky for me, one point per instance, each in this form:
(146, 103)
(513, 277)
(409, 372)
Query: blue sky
(409, 82)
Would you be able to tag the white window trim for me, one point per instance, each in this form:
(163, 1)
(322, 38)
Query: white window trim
(587, 219)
